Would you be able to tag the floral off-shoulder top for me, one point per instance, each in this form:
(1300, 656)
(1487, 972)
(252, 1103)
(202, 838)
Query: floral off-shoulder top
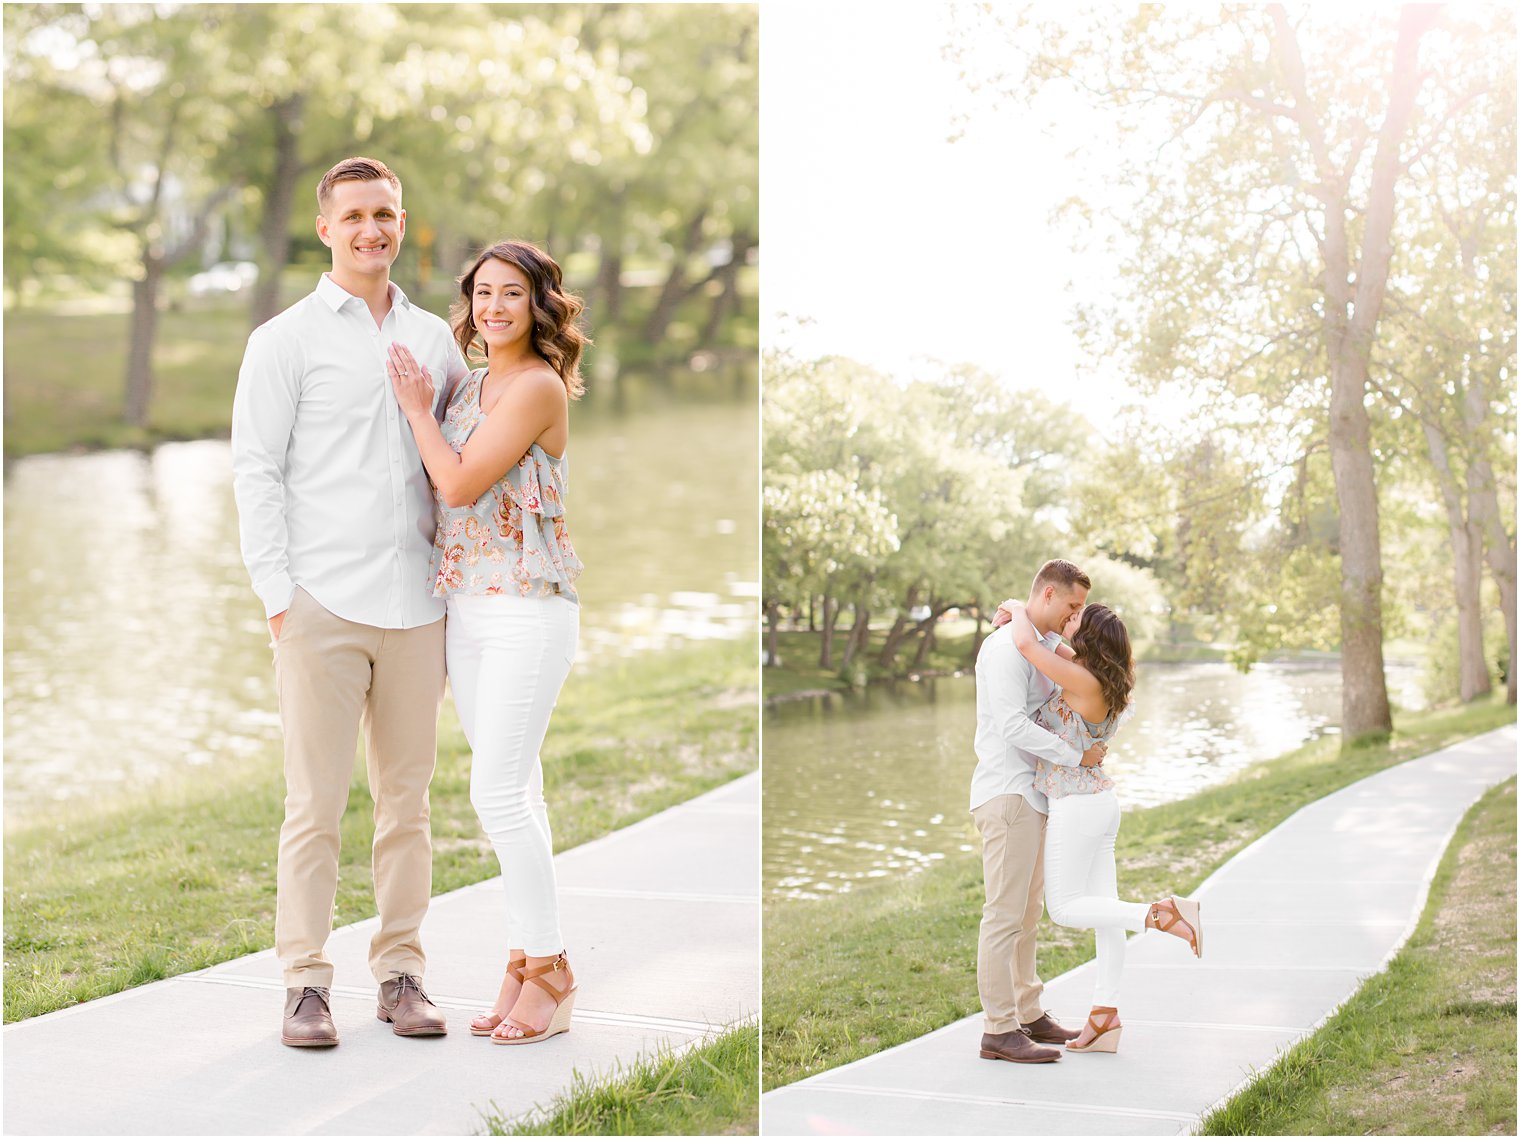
(1057, 716)
(512, 539)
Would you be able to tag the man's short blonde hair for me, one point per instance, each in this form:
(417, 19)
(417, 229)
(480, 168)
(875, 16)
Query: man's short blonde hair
(354, 170)
(1058, 571)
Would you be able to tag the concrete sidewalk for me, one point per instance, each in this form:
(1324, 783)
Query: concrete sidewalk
(1292, 926)
(662, 921)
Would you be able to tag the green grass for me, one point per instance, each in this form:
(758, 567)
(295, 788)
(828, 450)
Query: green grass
(852, 975)
(180, 876)
(1426, 1047)
(799, 670)
(65, 378)
(712, 1089)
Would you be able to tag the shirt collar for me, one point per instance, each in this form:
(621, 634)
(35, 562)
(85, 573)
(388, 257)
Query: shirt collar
(337, 296)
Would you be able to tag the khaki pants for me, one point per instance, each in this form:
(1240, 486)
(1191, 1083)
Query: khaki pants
(332, 675)
(1013, 847)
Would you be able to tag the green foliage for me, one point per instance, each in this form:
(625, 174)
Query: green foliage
(145, 139)
(1244, 155)
(946, 491)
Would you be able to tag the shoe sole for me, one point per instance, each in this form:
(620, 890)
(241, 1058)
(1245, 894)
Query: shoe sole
(289, 1043)
(425, 1030)
(1105, 1042)
(1020, 1059)
(558, 1025)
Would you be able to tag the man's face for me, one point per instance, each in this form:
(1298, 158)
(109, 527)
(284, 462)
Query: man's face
(1060, 604)
(363, 226)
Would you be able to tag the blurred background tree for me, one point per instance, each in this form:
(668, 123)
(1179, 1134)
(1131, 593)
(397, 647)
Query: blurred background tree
(163, 160)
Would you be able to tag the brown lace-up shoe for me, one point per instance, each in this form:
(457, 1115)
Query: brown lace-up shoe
(1015, 1046)
(1047, 1031)
(308, 1019)
(407, 1009)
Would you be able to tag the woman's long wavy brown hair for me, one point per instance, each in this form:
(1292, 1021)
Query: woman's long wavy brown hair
(1101, 644)
(556, 336)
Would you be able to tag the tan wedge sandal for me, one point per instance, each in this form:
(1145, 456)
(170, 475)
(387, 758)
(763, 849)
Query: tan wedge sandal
(1177, 911)
(1107, 1033)
(515, 971)
(564, 1005)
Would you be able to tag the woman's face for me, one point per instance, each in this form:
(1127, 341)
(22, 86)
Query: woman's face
(1073, 623)
(501, 304)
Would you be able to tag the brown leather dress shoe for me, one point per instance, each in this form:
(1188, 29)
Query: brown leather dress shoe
(407, 1009)
(1047, 1031)
(308, 1020)
(1016, 1047)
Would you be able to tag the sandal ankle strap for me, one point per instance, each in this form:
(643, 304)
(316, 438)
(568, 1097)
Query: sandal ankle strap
(559, 964)
(1109, 1016)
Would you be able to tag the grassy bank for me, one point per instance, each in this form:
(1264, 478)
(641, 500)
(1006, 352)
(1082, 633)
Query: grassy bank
(65, 368)
(709, 1090)
(799, 670)
(850, 976)
(1426, 1047)
(181, 875)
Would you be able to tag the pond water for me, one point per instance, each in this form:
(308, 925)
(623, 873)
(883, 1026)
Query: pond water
(134, 645)
(875, 784)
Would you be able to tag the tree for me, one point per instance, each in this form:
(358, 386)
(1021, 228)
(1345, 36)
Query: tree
(1259, 255)
(157, 77)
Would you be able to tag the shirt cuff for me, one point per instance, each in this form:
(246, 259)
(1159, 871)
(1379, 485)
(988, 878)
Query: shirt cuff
(276, 594)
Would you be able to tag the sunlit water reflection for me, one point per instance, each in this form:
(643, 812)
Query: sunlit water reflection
(875, 785)
(135, 647)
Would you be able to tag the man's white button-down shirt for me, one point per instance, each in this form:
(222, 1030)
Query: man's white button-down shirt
(1008, 690)
(331, 492)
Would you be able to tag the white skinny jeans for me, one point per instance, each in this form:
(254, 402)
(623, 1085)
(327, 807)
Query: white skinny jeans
(508, 656)
(1082, 884)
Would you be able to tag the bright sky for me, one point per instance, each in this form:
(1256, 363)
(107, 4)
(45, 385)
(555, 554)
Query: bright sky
(893, 241)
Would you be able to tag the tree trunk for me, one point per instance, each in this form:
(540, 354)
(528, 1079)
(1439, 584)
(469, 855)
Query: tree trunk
(145, 292)
(1364, 690)
(925, 646)
(976, 640)
(773, 634)
(1499, 551)
(1350, 322)
(895, 634)
(1467, 567)
(675, 284)
(279, 203)
(609, 282)
(830, 618)
(860, 634)
(1498, 544)
(727, 299)
(609, 274)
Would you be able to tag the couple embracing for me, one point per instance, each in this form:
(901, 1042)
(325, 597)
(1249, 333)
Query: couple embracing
(382, 484)
(1046, 708)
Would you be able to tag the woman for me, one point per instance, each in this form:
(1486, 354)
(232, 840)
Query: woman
(504, 562)
(1096, 675)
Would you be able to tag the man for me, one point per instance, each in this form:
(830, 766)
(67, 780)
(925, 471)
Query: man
(336, 522)
(1010, 814)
